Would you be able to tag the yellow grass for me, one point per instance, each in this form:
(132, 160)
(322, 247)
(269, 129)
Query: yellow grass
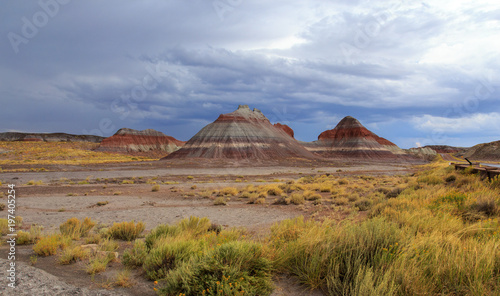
(70, 153)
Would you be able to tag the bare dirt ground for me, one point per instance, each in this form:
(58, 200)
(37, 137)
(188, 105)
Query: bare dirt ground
(74, 191)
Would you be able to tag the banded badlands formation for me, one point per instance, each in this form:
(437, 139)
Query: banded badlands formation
(242, 134)
(351, 139)
(149, 142)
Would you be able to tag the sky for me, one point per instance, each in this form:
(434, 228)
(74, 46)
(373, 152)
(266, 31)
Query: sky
(415, 72)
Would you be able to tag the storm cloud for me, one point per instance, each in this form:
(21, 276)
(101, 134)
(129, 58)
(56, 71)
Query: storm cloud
(413, 72)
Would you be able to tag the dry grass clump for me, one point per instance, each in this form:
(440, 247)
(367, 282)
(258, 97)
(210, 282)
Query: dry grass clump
(123, 279)
(48, 245)
(228, 191)
(28, 238)
(72, 254)
(274, 190)
(220, 201)
(311, 195)
(127, 231)
(297, 199)
(75, 229)
(155, 188)
(340, 201)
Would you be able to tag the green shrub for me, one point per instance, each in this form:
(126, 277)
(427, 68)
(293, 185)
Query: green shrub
(167, 255)
(363, 204)
(135, 257)
(128, 231)
(234, 268)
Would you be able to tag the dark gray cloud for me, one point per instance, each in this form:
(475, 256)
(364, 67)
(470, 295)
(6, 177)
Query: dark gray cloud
(412, 72)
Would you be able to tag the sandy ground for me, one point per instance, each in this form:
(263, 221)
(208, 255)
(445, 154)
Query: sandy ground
(61, 197)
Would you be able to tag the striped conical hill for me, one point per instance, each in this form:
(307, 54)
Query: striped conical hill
(242, 134)
(351, 139)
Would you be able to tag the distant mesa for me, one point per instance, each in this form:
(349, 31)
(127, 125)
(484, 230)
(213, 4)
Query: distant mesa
(485, 152)
(242, 134)
(147, 142)
(351, 139)
(285, 128)
(48, 137)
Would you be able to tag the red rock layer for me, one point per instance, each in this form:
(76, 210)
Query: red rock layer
(351, 139)
(285, 128)
(242, 134)
(147, 142)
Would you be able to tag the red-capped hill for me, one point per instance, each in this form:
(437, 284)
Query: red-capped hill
(242, 134)
(351, 139)
(285, 128)
(147, 142)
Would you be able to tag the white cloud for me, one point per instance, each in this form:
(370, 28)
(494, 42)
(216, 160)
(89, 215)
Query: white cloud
(479, 122)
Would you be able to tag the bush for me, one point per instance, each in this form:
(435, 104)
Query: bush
(155, 188)
(98, 263)
(135, 257)
(297, 199)
(128, 231)
(395, 192)
(71, 255)
(75, 229)
(48, 245)
(340, 201)
(2, 206)
(123, 279)
(231, 191)
(28, 238)
(234, 268)
(310, 195)
(274, 190)
(220, 201)
(363, 204)
(167, 255)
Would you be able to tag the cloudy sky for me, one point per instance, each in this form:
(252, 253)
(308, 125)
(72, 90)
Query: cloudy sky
(414, 72)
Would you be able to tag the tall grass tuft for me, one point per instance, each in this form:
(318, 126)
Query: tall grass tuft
(75, 228)
(128, 231)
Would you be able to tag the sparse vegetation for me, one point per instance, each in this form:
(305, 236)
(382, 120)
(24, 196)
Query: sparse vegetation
(155, 188)
(220, 201)
(75, 229)
(128, 231)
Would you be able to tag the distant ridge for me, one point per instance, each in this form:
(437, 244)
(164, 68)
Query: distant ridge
(48, 137)
(242, 134)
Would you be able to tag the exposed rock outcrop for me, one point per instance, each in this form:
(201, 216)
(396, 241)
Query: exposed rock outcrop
(242, 134)
(285, 128)
(49, 137)
(147, 142)
(351, 139)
